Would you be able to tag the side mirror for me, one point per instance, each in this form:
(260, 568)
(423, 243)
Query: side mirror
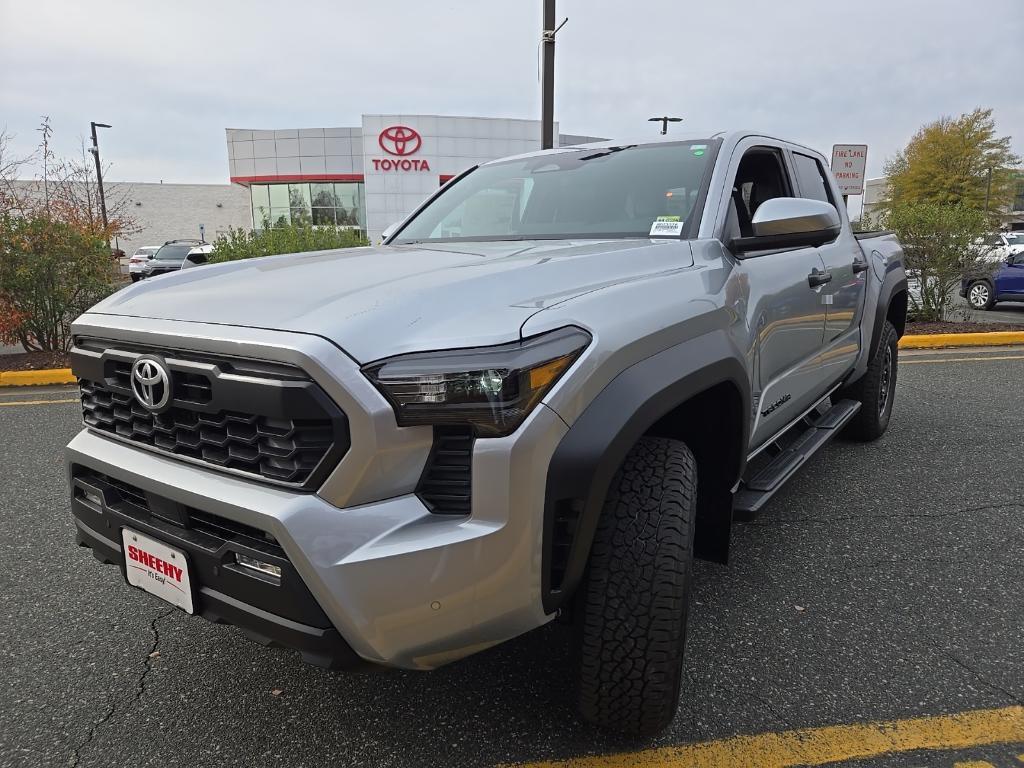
(389, 231)
(790, 222)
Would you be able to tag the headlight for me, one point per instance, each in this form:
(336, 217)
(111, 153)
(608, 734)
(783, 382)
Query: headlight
(491, 388)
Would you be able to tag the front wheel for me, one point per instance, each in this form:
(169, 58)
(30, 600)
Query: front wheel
(636, 596)
(876, 389)
(979, 295)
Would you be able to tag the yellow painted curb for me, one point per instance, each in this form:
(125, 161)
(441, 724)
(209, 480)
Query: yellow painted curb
(936, 340)
(36, 378)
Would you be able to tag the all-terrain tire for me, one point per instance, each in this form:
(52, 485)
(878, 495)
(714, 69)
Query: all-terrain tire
(636, 596)
(875, 390)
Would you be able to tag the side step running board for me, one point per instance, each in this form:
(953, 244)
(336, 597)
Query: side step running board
(758, 489)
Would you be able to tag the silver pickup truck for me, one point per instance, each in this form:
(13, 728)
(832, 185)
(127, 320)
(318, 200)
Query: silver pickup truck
(555, 384)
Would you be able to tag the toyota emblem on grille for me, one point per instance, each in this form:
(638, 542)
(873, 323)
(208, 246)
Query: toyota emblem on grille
(151, 384)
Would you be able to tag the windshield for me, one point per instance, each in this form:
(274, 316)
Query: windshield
(173, 252)
(628, 191)
(1015, 239)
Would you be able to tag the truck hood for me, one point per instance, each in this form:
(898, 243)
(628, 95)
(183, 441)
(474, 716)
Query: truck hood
(377, 302)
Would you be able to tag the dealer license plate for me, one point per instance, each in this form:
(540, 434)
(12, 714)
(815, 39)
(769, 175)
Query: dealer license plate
(157, 568)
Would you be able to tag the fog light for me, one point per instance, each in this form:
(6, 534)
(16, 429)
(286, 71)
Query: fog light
(258, 565)
(92, 497)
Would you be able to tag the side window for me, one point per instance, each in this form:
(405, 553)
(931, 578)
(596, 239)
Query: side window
(812, 179)
(761, 176)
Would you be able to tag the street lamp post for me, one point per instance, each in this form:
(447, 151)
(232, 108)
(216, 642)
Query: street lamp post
(988, 189)
(664, 122)
(95, 149)
(547, 99)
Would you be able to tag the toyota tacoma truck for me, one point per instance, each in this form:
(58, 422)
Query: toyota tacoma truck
(553, 385)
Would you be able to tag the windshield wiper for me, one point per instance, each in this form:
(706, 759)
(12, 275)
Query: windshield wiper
(607, 152)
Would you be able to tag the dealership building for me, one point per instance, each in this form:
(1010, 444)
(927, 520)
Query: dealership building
(371, 175)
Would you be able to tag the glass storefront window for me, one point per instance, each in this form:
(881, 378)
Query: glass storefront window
(320, 203)
(349, 204)
(260, 204)
(278, 195)
(323, 217)
(322, 195)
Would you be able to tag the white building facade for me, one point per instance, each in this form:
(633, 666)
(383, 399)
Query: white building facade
(162, 212)
(369, 176)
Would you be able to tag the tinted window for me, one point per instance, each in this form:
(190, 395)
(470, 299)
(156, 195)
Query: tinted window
(173, 252)
(603, 192)
(812, 179)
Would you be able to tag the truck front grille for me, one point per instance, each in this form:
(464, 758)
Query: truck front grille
(264, 420)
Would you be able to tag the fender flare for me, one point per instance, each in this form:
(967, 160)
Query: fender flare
(595, 446)
(895, 282)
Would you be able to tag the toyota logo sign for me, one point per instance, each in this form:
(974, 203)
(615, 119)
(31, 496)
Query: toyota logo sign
(151, 384)
(399, 140)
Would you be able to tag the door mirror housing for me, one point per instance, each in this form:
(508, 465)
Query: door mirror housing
(790, 222)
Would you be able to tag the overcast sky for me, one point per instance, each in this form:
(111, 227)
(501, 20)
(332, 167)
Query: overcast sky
(170, 76)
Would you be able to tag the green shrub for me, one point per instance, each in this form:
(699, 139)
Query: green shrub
(50, 272)
(285, 238)
(940, 245)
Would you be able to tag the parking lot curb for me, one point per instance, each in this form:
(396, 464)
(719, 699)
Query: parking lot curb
(36, 378)
(936, 340)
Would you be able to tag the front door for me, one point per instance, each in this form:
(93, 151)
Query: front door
(1010, 279)
(843, 295)
(786, 313)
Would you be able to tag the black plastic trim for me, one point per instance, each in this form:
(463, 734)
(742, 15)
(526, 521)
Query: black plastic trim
(895, 282)
(274, 613)
(446, 484)
(592, 450)
(750, 247)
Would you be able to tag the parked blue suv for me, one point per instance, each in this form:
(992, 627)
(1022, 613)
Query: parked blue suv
(1005, 284)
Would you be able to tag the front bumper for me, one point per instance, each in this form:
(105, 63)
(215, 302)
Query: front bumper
(402, 586)
(273, 612)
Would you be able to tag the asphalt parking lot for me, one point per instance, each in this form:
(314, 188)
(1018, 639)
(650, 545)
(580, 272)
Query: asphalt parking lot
(885, 583)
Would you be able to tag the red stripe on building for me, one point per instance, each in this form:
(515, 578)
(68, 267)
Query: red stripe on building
(297, 177)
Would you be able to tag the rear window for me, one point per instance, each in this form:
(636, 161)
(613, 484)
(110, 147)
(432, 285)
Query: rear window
(173, 252)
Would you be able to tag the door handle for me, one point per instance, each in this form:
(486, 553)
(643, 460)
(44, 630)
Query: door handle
(816, 278)
(860, 266)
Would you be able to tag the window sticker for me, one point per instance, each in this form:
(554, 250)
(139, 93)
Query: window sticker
(667, 226)
(698, 149)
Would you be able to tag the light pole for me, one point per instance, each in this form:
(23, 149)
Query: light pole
(988, 189)
(664, 122)
(547, 105)
(95, 149)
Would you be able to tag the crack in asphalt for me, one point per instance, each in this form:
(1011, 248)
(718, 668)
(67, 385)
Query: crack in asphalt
(977, 675)
(76, 753)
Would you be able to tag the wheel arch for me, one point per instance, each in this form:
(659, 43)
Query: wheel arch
(650, 397)
(891, 307)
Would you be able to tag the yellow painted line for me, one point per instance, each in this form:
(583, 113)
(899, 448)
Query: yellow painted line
(934, 340)
(36, 378)
(820, 746)
(40, 402)
(918, 361)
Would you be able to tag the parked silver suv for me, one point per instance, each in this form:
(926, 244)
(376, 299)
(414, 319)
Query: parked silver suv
(558, 380)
